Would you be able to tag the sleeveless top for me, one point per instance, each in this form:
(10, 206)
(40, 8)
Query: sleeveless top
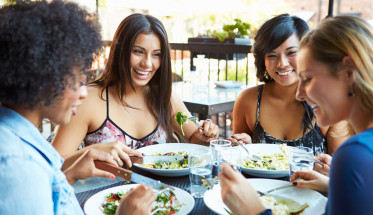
(110, 132)
(313, 139)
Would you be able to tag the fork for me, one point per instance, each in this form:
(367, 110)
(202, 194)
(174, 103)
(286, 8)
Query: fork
(195, 120)
(319, 162)
(274, 189)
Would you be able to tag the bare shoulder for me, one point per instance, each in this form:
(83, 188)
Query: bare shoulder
(248, 97)
(93, 104)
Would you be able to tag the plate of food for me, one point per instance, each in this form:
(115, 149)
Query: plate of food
(291, 200)
(228, 84)
(273, 163)
(107, 201)
(173, 169)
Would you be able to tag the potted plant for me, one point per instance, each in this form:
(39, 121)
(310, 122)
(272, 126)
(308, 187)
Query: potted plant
(237, 33)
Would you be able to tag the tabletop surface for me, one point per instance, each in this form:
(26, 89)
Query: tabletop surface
(84, 189)
(206, 94)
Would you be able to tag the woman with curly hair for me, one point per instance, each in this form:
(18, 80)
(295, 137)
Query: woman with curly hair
(131, 105)
(270, 113)
(44, 47)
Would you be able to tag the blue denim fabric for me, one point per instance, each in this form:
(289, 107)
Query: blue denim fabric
(31, 181)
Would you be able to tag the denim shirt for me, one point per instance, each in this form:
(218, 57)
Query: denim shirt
(31, 180)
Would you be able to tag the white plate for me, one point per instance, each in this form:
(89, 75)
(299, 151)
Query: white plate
(228, 84)
(93, 204)
(164, 148)
(264, 149)
(315, 200)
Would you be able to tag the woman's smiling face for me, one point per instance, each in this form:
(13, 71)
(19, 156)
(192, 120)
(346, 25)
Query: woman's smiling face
(281, 62)
(61, 110)
(326, 94)
(145, 59)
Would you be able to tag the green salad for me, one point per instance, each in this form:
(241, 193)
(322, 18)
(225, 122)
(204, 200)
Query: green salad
(167, 201)
(170, 165)
(180, 119)
(278, 161)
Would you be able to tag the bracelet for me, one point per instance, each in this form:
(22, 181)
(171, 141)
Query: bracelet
(266, 212)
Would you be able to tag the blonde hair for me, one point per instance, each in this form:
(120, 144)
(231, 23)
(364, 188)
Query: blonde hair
(338, 37)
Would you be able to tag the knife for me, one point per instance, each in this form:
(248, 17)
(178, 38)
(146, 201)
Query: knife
(150, 159)
(128, 175)
(275, 189)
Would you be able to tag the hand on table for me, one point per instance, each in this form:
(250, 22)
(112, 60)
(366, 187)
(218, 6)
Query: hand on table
(118, 151)
(84, 167)
(242, 138)
(311, 180)
(323, 169)
(137, 202)
(237, 193)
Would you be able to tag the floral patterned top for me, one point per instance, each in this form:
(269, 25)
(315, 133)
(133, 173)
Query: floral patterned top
(110, 132)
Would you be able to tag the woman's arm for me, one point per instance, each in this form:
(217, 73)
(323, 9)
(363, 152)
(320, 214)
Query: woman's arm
(336, 134)
(84, 167)
(244, 116)
(237, 193)
(70, 136)
(242, 113)
(192, 133)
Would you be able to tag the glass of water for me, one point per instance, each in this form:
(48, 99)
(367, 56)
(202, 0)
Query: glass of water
(301, 158)
(220, 153)
(200, 165)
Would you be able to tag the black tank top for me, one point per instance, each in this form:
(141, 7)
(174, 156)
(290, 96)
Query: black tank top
(313, 139)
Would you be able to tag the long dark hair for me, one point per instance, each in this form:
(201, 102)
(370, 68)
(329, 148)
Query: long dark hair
(118, 67)
(271, 35)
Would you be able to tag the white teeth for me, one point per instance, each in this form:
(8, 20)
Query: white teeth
(142, 73)
(286, 73)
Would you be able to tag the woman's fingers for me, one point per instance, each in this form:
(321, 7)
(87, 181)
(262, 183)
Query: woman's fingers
(229, 172)
(242, 138)
(124, 157)
(130, 151)
(102, 156)
(102, 174)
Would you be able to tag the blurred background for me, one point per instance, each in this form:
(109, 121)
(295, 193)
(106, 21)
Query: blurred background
(188, 19)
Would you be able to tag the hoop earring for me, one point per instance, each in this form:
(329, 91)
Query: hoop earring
(266, 73)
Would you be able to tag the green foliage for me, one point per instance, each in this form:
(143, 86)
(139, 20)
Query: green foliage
(180, 119)
(237, 30)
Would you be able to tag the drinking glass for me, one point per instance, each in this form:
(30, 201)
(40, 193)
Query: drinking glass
(237, 157)
(200, 165)
(301, 158)
(220, 153)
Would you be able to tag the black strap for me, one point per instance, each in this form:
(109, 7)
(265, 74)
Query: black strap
(260, 90)
(107, 102)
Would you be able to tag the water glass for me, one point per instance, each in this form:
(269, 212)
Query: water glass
(220, 153)
(200, 165)
(308, 150)
(301, 158)
(237, 157)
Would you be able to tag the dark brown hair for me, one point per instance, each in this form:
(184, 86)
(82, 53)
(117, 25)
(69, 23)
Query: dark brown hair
(118, 67)
(271, 35)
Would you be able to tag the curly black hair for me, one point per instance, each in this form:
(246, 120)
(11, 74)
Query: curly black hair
(40, 43)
